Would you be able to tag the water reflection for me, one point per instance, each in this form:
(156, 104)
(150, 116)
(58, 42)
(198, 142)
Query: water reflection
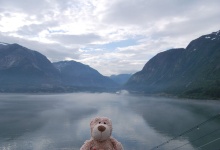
(43, 122)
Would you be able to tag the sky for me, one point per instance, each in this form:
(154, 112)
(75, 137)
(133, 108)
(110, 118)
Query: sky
(111, 36)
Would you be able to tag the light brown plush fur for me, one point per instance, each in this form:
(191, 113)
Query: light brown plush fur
(101, 130)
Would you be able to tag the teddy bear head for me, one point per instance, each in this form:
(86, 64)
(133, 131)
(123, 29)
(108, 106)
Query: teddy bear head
(101, 128)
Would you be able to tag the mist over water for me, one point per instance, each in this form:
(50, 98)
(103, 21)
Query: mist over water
(61, 121)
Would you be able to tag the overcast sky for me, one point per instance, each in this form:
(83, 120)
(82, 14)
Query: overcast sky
(112, 36)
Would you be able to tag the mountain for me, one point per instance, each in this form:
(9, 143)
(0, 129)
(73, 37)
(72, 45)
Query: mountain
(77, 74)
(191, 72)
(25, 69)
(121, 78)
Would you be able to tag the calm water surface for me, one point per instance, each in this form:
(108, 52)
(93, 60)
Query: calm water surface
(53, 122)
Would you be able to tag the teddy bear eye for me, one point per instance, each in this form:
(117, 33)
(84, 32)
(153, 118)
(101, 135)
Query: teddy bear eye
(104, 122)
(99, 122)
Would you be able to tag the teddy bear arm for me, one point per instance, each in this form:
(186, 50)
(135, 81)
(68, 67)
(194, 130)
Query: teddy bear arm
(117, 145)
(86, 145)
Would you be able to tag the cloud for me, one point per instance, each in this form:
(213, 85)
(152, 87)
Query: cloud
(75, 39)
(119, 35)
(146, 12)
(36, 28)
(53, 51)
(26, 6)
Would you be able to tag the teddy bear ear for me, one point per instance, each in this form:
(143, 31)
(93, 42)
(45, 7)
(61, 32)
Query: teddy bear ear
(109, 120)
(94, 120)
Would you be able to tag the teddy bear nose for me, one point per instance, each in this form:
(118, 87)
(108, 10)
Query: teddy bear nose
(101, 128)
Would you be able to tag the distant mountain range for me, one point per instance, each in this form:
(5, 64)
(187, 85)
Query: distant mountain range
(21, 69)
(77, 74)
(191, 72)
(121, 79)
(25, 70)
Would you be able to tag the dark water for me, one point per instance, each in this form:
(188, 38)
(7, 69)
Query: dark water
(44, 122)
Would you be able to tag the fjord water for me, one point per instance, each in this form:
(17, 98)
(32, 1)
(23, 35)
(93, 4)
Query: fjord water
(61, 121)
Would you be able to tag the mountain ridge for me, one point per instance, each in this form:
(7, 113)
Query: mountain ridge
(192, 72)
(121, 79)
(77, 74)
(20, 66)
(25, 70)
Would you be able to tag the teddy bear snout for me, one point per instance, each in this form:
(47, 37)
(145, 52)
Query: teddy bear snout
(101, 128)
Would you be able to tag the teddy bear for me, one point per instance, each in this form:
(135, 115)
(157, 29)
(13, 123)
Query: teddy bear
(101, 139)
